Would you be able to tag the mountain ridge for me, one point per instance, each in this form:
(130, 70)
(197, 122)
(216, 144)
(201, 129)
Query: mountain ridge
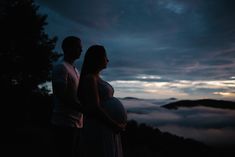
(222, 104)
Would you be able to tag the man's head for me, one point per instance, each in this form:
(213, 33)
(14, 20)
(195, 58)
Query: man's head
(72, 47)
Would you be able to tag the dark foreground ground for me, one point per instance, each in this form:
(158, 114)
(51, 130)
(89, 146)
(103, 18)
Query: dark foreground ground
(138, 141)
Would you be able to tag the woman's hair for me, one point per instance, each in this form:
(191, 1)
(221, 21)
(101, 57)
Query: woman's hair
(91, 64)
(92, 59)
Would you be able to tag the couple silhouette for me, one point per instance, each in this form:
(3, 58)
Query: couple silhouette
(87, 119)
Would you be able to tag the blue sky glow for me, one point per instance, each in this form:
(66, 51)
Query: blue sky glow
(157, 48)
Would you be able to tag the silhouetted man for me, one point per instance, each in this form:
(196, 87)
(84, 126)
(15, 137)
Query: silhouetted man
(67, 118)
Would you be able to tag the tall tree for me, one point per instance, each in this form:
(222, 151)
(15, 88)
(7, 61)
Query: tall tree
(26, 55)
(26, 51)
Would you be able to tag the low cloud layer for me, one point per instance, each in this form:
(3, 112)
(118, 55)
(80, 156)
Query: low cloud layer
(210, 125)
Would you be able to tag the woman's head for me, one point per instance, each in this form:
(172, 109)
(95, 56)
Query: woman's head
(95, 59)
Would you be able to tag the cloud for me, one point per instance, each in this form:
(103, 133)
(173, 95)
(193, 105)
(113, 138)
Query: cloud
(183, 89)
(173, 39)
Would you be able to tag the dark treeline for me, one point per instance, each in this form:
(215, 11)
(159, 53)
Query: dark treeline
(142, 140)
(26, 56)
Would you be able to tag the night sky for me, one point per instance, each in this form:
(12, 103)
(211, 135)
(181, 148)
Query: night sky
(157, 48)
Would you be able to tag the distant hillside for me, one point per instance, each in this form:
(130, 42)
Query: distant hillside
(140, 140)
(222, 104)
(130, 98)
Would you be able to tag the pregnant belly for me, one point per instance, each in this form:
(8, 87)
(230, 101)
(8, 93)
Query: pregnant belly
(115, 109)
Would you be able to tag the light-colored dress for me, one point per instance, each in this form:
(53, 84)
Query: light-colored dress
(98, 139)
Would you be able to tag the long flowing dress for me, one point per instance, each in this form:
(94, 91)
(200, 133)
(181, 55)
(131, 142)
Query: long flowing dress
(97, 138)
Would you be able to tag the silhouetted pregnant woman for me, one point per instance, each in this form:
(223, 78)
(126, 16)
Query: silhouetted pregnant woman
(104, 115)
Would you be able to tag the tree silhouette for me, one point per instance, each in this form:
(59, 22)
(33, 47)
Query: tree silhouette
(26, 54)
(26, 50)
